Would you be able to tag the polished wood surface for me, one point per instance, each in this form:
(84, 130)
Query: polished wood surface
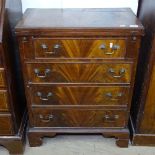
(2, 78)
(149, 108)
(74, 72)
(106, 48)
(4, 101)
(6, 125)
(79, 72)
(143, 107)
(79, 95)
(78, 18)
(79, 118)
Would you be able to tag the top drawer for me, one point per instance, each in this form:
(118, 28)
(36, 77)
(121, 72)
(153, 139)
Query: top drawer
(79, 48)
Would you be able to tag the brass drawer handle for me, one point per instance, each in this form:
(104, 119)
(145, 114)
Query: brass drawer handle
(108, 118)
(40, 95)
(56, 47)
(46, 119)
(113, 74)
(42, 76)
(114, 49)
(114, 97)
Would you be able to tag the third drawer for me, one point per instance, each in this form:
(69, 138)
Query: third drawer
(79, 95)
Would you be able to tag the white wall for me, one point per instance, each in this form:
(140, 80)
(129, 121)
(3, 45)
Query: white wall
(80, 4)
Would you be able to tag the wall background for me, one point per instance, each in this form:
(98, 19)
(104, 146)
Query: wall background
(80, 4)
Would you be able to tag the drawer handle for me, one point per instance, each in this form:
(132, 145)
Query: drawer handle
(56, 47)
(46, 119)
(42, 76)
(108, 118)
(116, 97)
(113, 74)
(114, 48)
(39, 94)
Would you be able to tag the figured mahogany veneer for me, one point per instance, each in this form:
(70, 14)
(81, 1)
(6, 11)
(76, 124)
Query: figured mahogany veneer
(79, 118)
(79, 72)
(79, 95)
(79, 68)
(105, 48)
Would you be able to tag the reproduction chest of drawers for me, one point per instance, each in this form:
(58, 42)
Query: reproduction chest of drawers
(79, 68)
(12, 107)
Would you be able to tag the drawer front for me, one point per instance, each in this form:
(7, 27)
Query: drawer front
(6, 125)
(74, 95)
(2, 78)
(79, 72)
(79, 48)
(3, 100)
(79, 118)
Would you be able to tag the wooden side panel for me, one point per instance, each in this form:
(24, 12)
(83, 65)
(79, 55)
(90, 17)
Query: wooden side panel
(148, 120)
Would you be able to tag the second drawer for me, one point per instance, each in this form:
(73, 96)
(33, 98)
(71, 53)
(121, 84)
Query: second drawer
(109, 72)
(79, 95)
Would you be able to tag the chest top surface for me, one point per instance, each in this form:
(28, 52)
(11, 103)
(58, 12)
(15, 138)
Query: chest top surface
(122, 18)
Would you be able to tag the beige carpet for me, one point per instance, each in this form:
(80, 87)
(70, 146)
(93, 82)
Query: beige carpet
(82, 145)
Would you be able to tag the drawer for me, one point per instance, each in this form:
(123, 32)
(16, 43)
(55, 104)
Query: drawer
(79, 118)
(79, 48)
(2, 78)
(79, 72)
(3, 100)
(79, 95)
(6, 124)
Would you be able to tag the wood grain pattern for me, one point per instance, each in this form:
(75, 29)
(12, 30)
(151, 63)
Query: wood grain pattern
(79, 48)
(76, 95)
(4, 101)
(71, 59)
(79, 72)
(6, 127)
(2, 78)
(79, 118)
(149, 108)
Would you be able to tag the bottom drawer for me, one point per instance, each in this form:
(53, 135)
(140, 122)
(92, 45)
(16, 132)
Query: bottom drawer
(6, 125)
(79, 118)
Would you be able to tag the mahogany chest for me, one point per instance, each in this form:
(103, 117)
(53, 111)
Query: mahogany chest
(79, 69)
